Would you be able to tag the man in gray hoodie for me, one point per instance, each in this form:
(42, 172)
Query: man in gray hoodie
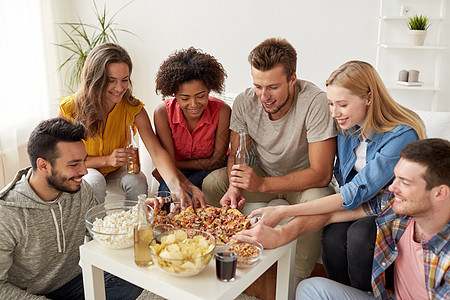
(42, 220)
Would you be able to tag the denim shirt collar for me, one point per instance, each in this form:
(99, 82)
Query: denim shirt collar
(373, 137)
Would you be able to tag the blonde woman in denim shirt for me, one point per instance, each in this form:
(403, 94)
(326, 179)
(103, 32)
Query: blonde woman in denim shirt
(372, 129)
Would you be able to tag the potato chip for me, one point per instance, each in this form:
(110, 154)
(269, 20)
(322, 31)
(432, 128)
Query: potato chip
(180, 236)
(168, 239)
(201, 241)
(188, 265)
(156, 248)
(210, 248)
(196, 252)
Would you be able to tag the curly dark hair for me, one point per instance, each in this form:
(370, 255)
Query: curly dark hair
(186, 65)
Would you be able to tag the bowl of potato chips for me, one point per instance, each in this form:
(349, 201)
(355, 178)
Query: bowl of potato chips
(182, 252)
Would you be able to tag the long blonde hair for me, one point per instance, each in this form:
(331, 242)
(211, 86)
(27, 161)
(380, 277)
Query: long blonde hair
(384, 114)
(91, 109)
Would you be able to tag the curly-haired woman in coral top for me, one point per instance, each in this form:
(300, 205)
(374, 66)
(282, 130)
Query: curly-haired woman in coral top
(192, 125)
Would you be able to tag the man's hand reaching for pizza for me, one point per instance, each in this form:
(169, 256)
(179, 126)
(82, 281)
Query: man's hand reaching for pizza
(233, 198)
(270, 216)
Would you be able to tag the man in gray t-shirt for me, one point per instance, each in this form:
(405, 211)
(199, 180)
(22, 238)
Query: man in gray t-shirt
(290, 126)
(281, 143)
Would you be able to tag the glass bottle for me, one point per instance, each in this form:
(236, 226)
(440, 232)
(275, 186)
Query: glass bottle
(143, 234)
(241, 157)
(133, 166)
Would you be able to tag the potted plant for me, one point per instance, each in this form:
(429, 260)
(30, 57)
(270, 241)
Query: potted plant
(418, 26)
(82, 38)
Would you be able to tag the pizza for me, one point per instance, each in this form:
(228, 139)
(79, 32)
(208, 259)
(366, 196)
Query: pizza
(161, 217)
(186, 218)
(222, 222)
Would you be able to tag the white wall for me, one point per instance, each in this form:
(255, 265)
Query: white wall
(325, 33)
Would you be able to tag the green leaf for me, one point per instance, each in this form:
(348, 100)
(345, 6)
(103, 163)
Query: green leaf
(83, 37)
(417, 22)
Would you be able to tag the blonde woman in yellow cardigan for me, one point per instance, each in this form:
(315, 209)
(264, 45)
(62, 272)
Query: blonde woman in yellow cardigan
(105, 105)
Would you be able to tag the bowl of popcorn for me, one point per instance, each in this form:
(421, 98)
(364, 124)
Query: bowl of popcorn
(182, 252)
(111, 224)
(249, 254)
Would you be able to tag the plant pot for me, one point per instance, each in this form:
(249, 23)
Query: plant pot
(417, 37)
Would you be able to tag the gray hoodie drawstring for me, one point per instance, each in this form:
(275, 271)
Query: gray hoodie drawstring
(62, 227)
(57, 229)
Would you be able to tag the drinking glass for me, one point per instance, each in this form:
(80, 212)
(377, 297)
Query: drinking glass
(167, 200)
(226, 262)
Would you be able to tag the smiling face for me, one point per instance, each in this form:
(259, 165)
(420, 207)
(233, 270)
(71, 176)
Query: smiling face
(68, 169)
(118, 83)
(346, 108)
(275, 92)
(409, 187)
(192, 96)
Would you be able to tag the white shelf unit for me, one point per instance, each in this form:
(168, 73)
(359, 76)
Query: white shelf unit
(394, 53)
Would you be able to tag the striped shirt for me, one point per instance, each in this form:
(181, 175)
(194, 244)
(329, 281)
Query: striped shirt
(390, 227)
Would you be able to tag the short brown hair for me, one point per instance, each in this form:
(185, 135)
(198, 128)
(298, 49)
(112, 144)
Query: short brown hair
(272, 52)
(45, 137)
(433, 154)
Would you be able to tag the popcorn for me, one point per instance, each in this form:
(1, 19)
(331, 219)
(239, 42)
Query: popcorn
(115, 230)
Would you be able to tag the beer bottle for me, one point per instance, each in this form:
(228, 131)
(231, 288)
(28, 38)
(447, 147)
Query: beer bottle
(133, 166)
(242, 157)
(143, 234)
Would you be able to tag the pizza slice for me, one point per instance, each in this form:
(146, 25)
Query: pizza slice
(232, 221)
(187, 219)
(160, 217)
(207, 214)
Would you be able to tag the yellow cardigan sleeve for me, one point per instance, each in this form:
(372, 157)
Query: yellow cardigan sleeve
(67, 107)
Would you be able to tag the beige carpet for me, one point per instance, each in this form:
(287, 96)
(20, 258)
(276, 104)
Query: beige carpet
(146, 295)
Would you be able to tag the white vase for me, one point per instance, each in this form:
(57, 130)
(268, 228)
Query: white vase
(417, 37)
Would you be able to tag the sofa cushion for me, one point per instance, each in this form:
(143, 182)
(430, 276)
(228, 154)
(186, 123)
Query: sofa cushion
(437, 123)
(2, 170)
(11, 161)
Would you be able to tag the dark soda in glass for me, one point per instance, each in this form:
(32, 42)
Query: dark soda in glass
(166, 207)
(226, 266)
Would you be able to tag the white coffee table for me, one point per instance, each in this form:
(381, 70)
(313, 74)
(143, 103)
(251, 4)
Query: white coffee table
(95, 259)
